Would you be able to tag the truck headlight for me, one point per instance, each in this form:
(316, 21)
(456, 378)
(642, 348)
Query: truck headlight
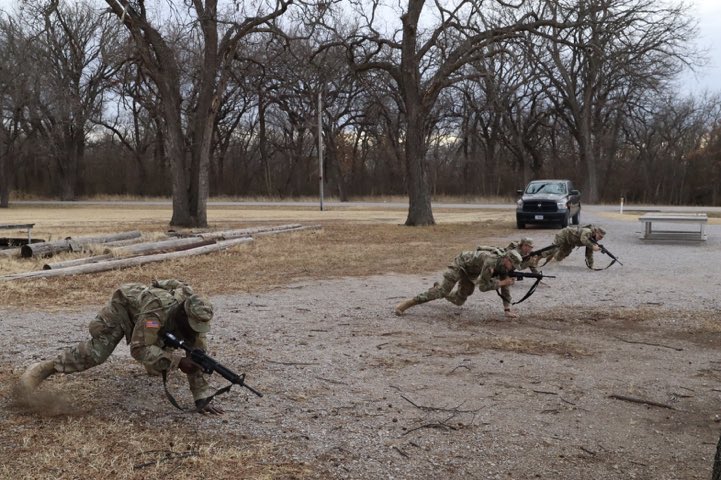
(562, 205)
(519, 203)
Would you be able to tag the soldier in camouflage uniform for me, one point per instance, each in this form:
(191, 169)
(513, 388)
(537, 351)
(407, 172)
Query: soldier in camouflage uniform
(524, 247)
(485, 268)
(140, 314)
(576, 236)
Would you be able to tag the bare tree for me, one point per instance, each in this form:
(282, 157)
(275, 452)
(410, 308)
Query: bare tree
(73, 53)
(620, 51)
(188, 129)
(14, 96)
(424, 60)
(670, 151)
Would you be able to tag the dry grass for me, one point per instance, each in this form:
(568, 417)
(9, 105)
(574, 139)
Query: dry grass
(352, 242)
(88, 446)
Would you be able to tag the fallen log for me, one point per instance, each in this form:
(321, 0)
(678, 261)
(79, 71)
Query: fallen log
(77, 261)
(10, 252)
(161, 246)
(295, 229)
(125, 262)
(46, 249)
(243, 232)
(122, 243)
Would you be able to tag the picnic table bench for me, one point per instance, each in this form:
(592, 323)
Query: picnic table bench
(18, 226)
(694, 223)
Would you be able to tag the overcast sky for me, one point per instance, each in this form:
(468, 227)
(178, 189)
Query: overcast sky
(708, 14)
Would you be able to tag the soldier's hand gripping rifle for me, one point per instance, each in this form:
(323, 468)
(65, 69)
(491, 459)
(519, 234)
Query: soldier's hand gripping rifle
(605, 251)
(209, 366)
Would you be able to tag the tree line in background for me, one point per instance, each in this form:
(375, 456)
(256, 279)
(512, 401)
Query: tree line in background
(465, 97)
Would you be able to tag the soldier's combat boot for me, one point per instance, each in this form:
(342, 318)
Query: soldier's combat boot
(36, 373)
(405, 305)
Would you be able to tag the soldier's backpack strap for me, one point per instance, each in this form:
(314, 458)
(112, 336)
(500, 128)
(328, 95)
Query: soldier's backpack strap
(494, 250)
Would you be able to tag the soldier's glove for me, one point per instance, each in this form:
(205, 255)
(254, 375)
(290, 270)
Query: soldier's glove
(188, 366)
(207, 408)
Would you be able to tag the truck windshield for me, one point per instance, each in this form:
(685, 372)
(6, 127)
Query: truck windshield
(558, 188)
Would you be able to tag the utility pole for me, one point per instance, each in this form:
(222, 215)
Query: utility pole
(320, 147)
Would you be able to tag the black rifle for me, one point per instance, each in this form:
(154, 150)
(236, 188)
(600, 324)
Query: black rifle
(539, 251)
(208, 364)
(522, 275)
(604, 250)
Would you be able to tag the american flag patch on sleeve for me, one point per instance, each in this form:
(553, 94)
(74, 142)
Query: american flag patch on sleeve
(152, 323)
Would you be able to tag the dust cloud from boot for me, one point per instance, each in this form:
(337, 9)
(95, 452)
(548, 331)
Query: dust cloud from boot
(44, 402)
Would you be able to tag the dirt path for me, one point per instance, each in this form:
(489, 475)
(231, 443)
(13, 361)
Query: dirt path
(352, 391)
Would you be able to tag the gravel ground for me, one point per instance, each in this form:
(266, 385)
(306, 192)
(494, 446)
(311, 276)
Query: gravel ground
(606, 375)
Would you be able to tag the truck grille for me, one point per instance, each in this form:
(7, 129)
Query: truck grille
(540, 206)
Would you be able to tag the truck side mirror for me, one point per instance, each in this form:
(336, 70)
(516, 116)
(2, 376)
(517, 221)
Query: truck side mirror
(520, 192)
(575, 192)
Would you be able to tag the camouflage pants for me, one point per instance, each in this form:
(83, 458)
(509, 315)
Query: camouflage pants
(564, 250)
(452, 277)
(106, 331)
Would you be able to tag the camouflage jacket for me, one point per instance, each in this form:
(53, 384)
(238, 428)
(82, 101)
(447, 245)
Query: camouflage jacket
(148, 312)
(480, 266)
(574, 236)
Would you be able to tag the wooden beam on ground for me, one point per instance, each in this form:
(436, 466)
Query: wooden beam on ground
(46, 249)
(125, 262)
(77, 261)
(161, 246)
(289, 230)
(243, 232)
(10, 252)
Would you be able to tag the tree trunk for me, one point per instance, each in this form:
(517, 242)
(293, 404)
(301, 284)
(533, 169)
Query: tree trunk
(419, 200)
(70, 143)
(334, 165)
(419, 209)
(263, 144)
(5, 173)
(46, 249)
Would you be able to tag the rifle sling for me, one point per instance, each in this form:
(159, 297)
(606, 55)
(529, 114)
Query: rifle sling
(528, 293)
(197, 408)
(599, 269)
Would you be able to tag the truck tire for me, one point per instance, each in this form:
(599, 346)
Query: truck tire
(577, 218)
(565, 220)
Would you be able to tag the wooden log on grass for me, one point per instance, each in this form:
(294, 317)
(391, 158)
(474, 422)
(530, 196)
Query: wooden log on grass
(46, 249)
(10, 252)
(148, 248)
(125, 262)
(161, 246)
(243, 232)
(77, 261)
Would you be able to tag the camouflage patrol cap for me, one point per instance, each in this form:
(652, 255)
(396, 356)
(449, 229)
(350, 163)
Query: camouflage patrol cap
(526, 241)
(599, 229)
(200, 313)
(515, 258)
